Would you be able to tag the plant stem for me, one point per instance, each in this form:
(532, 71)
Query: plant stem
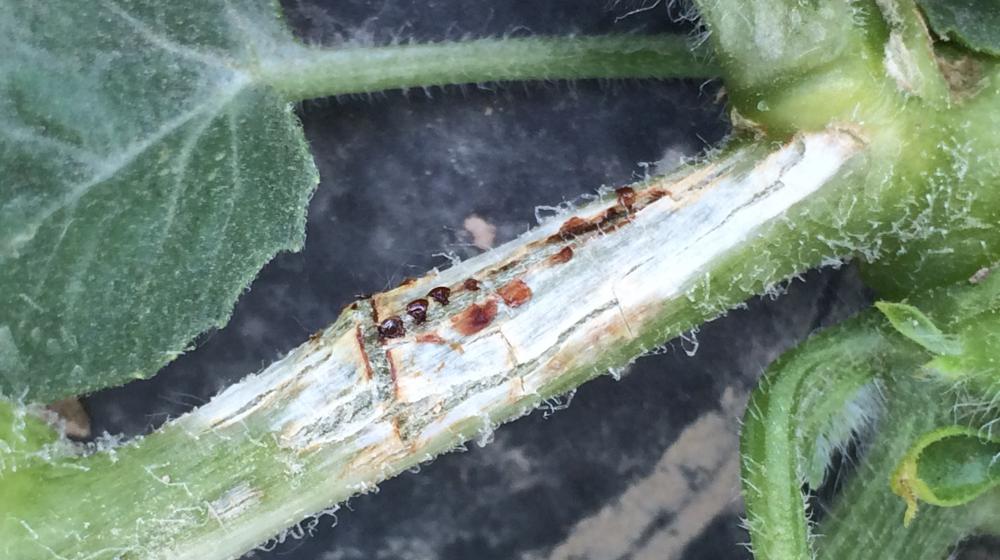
(319, 72)
(814, 389)
(866, 522)
(350, 408)
(795, 419)
(555, 307)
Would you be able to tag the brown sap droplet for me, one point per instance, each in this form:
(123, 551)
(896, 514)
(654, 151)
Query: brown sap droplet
(515, 293)
(563, 256)
(391, 328)
(626, 197)
(508, 265)
(475, 317)
(471, 284)
(440, 294)
(418, 310)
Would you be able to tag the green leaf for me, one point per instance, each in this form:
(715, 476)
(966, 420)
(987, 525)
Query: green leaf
(979, 362)
(914, 325)
(974, 23)
(949, 466)
(970, 312)
(145, 177)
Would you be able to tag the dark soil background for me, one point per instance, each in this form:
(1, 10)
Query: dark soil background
(400, 174)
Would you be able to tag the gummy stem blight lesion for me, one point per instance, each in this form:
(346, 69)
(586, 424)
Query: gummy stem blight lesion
(352, 407)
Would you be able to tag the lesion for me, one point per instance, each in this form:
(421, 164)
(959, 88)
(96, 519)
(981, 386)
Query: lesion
(424, 397)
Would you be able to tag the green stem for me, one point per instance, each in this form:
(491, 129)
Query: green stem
(797, 415)
(773, 51)
(802, 410)
(866, 522)
(314, 72)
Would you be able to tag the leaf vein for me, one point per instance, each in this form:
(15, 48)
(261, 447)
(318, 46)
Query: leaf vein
(165, 43)
(75, 192)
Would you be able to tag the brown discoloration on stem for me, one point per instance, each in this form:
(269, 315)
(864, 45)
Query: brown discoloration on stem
(615, 214)
(391, 444)
(608, 217)
(475, 318)
(563, 256)
(574, 227)
(396, 429)
(964, 75)
(516, 392)
(393, 374)
(408, 281)
(515, 293)
(609, 220)
(505, 267)
(430, 338)
(650, 196)
(74, 419)
(626, 197)
(359, 335)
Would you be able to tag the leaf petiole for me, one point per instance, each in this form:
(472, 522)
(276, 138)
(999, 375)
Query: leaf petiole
(308, 72)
